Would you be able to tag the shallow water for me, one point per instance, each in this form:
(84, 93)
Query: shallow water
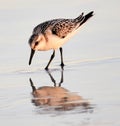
(92, 61)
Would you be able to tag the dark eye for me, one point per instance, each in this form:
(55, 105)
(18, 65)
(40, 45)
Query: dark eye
(36, 43)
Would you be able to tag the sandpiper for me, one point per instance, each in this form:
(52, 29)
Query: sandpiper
(54, 33)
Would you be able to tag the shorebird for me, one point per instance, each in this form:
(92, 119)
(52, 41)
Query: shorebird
(53, 34)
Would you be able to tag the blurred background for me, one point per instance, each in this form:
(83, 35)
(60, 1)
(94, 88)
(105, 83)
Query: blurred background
(92, 59)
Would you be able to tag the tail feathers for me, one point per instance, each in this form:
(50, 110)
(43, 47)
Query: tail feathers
(86, 17)
(79, 18)
(82, 19)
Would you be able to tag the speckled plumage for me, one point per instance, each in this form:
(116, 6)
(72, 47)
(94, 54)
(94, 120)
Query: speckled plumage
(54, 33)
(59, 27)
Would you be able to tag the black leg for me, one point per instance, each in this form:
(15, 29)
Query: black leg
(61, 54)
(61, 81)
(51, 58)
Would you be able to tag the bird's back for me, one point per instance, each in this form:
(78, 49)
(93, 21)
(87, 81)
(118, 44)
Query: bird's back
(43, 26)
(61, 27)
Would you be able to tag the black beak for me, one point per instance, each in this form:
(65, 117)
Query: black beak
(31, 56)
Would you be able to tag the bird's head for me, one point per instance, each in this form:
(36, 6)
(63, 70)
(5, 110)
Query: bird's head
(36, 42)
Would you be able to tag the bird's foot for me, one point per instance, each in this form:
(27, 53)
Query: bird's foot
(46, 68)
(62, 65)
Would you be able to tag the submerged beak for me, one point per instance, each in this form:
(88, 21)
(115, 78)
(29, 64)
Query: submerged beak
(31, 56)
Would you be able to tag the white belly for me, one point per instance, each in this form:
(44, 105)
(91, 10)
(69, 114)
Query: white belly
(55, 42)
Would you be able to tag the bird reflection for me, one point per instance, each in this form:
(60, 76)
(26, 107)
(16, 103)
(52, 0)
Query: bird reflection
(56, 96)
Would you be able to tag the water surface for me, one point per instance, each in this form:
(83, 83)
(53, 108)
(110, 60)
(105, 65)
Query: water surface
(92, 61)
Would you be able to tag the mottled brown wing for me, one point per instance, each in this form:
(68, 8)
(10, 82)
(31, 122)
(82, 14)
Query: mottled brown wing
(63, 28)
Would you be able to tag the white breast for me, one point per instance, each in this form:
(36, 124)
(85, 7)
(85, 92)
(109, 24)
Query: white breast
(54, 42)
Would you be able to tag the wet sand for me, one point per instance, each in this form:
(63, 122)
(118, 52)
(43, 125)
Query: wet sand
(86, 92)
